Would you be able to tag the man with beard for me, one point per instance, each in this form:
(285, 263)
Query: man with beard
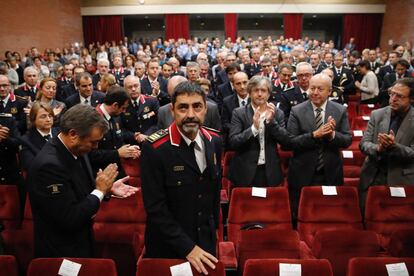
(181, 183)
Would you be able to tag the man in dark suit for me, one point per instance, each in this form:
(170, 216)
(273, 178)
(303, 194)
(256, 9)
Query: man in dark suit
(254, 67)
(31, 86)
(282, 84)
(181, 184)
(86, 94)
(119, 71)
(328, 60)
(12, 104)
(9, 145)
(401, 71)
(315, 61)
(154, 85)
(343, 77)
(103, 68)
(299, 94)
(65, 80)
(255, 131)
(115, 143)
(70, 89)
(233, 101)
(64, 194)
(222, 76)
(140, 117)
(389, 68)
(373, 63)
(388, 141)
(226, 89)
(320, 129)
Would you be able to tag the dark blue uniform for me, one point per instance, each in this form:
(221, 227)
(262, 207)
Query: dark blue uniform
(15, 106)
(9, 169)
(120, 75)
(182, 203)
(289, 99)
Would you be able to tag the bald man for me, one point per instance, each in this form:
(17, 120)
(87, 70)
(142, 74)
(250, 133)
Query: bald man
(320, 128)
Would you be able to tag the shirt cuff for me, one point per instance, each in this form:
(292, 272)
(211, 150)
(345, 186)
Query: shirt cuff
(98, 194)
(255, 131)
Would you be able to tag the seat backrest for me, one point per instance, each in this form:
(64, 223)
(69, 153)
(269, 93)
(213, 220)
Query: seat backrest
(385, 214)
(50, 267)
(131, 166)
(270, 267)
(328, 212)
(359, 123)
(376, 265)
(357, 159)
(150, 267)
(8, 265)
(228, 156)
(272, 211)
(9, 206)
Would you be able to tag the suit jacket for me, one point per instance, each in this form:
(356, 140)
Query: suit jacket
(24, 91)
(59, 188)
(277, 90)
(163, 96)
(319, 68)
(9, 168)
(387, 82)
(182, 203)
(376, 67)
(61, 84)
(96, 98)
(252, 69)
(344, 79)
(302, 165)
(289, 99)
(15, 106)
(384, 70)
(95, 79)
(224, 90)
(120, 76)
(142, 119)
(221, 77)
(247, 147)
(66, 92)
(32, 142)
(212, 119)
(400, 165)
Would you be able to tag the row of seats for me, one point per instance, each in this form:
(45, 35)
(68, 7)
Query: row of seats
(253, 267)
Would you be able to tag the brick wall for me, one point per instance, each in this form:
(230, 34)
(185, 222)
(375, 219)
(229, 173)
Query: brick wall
(40, 23)
(398, 23)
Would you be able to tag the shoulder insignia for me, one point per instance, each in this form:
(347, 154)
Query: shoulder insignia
(212, 131)
(157, 135)
(6, 115)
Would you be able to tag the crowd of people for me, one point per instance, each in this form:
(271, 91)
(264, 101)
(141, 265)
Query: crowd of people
(178, 104)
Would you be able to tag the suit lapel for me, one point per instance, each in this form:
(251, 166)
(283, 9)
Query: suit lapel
(187, 155)
(384, 125)
(309, 115)
(405, 132)
(88, 169)
(249, 114)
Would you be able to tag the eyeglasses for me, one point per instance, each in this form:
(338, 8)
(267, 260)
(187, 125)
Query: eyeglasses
(398, 96)
(4, 85)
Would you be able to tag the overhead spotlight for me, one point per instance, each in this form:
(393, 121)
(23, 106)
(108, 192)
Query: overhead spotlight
(142, 2)
(314, 16)
(261, 16)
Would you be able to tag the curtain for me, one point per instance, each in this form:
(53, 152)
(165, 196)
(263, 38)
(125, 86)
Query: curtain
(102, 28)
(293, 25)
(365, 28)
(177, 26)
(230, 25)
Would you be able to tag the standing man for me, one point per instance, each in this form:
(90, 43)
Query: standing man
(103, 68)
(181, 183)
(119, 71)
(320, 129)
(31, 86)
(254, 133)
(388, 141)
(86, 94)
(343, 77)
(282, 84)
(154, 85)
(64, 194)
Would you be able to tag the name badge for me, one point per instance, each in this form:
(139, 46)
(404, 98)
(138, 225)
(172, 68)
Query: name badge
(178, 168)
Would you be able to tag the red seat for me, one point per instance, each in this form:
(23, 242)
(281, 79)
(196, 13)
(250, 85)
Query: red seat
(116, 223)
(225, 181)
(366, 109)
(402, 243)
(376, 266)
(133, 169)
(339, 246)
(359, 123)
(272, 213)
(8, 265)
(50, 267)
(150, 267)
(385, 214)
(327, 212)
(270, 267)
(352, 110)
(9, 206)
(19, 242)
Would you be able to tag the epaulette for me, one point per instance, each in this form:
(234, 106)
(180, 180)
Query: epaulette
(157, 135)
(212, 129)
(6, 115)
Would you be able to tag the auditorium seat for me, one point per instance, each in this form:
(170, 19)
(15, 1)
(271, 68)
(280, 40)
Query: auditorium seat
(150, 267)
(269, 217)
(8, 265)
(366, 109)
(270, 267)
(225, 181)
(116, 223)
(401, 243)
(19, 242)
(50, 267)
(338, 246)
(376, 266)
(356, 139)
(9, 207)
(133, 169)
(284, 159)
(352, 110)
(385, 214)
(319, 212)
(360, 123)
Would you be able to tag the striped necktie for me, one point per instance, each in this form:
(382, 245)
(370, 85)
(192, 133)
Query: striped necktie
(319, 123)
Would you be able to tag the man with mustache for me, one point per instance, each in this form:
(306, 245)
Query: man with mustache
(180, 169)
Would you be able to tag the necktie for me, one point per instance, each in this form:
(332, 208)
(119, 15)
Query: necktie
(86, 101)
(319, 123)
(47, 137)
(305, 96)
(198, 156)
(32, 91)
(135, 104)
(1, 106)
(243, 103)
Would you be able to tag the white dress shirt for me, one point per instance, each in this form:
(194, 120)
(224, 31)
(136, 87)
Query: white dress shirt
(261, 133)
(199, 150)
(82, 100)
